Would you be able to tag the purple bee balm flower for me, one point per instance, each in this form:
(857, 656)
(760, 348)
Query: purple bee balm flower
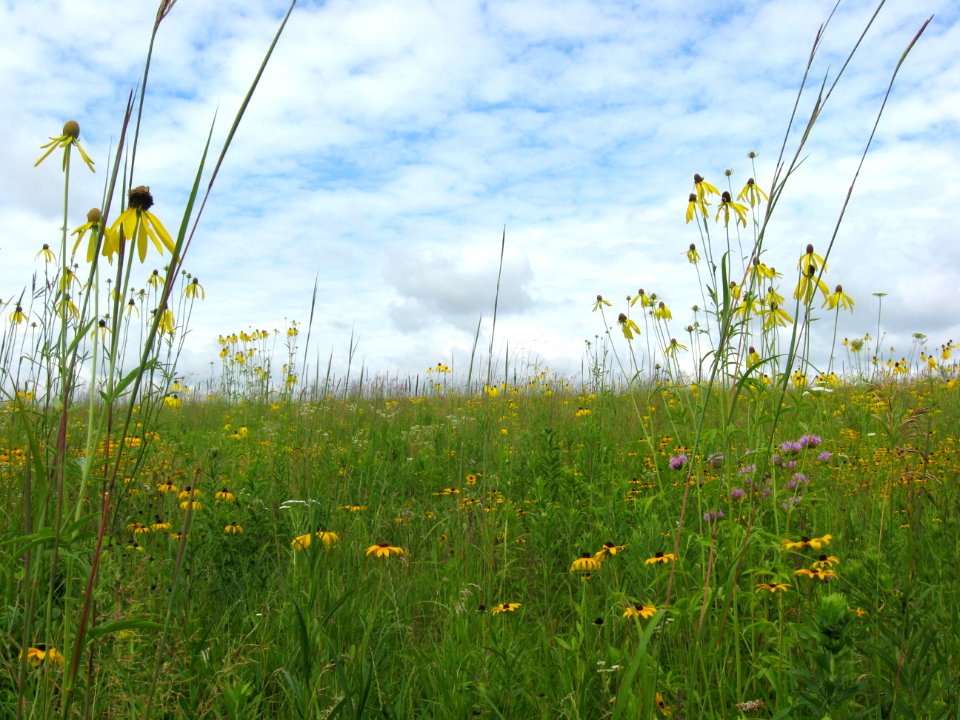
(800, 478)
(710, 515)
(777, 461)
(715, 460)
(736, 494)
(825, 456)
(810, 441)
(677, 462)
(791, 465)
(748, 469)
(791, 501)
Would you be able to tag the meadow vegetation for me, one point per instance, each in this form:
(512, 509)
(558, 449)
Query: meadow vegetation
(707, 523)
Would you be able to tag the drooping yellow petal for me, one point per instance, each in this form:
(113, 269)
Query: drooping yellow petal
(160, 230)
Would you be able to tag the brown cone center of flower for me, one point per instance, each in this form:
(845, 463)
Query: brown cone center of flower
(140, 198)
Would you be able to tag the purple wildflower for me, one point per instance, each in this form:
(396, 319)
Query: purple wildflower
(711, 515)
(825, 456)
(810, 441)
(678, 461)
(736, 494)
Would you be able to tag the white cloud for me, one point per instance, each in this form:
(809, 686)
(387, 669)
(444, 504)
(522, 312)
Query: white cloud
(388, 145)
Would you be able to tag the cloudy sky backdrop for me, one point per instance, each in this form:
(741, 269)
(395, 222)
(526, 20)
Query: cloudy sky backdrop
(390, 143)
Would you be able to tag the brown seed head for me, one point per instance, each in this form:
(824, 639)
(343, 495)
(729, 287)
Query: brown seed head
(692, 198)
(839, 288)
(94, 216)
(139, 198)
(809, 249)
(693, 247)
(71, 128)
(725, 197)
(697, 178)
(622, 318)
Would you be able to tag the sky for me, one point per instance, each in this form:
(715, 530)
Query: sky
(390, 145)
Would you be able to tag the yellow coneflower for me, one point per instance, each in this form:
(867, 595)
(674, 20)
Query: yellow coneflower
(384, 550)
(506, 607)
(167, 487)
(660, 558)
(225, 495)
(70, 137)
(138, 224)
(772, 587)
(160, 525)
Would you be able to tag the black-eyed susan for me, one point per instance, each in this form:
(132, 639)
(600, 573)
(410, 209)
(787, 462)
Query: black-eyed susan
(772, 587)
(807, 542)
(609, 548)
(352, 508)
(472, 478)
(660, 558)
(38, 654)
(167, 487)
(505, 607)
(160, 525)
(821, 575)
(384, 550)
(639, 610)
(586, 563)
(225, 495)
(173, 401)
(447, 491)
(137, 528)
(191, 505)
(328, 538)
(70, 137)
(137, 224)
(825, 562)
(189, 493)
(233, 528)
(662, 706)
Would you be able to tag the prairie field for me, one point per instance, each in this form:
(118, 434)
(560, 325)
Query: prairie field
(734, 513)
